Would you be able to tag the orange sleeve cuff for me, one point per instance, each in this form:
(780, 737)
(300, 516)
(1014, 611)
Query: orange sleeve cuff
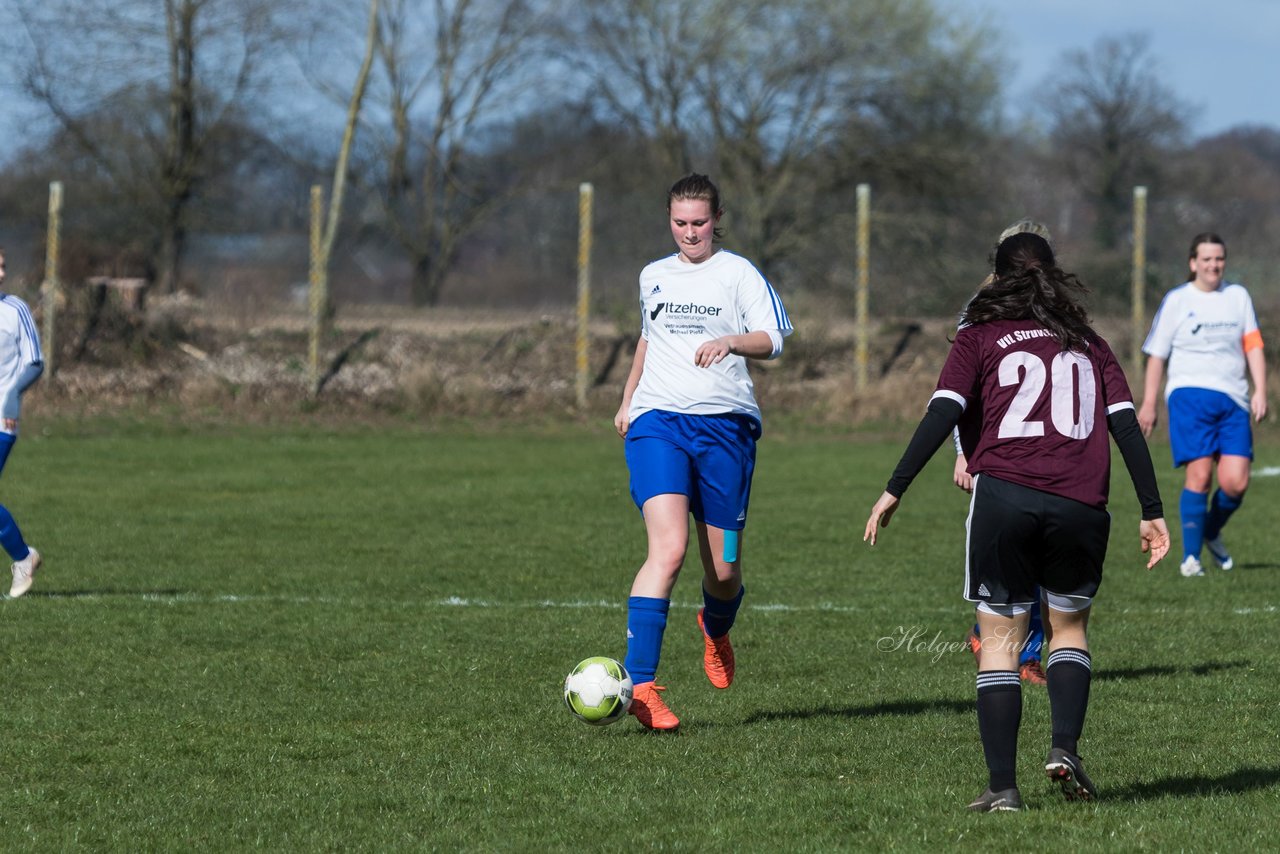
(1253, 340)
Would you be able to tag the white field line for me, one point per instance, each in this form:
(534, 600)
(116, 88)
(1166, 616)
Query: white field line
(550, 604)
(1268, 471)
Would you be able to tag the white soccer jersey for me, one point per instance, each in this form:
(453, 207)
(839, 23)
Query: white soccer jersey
(19, 352)
(1203, 336)
(684, 305)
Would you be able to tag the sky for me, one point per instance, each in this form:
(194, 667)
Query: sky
(1222, 57)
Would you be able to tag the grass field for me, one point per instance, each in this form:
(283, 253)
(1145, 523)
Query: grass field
(294, 639)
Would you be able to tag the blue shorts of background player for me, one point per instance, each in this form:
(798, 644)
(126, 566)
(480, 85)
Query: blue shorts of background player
(1205, 423)
(1029, 667)
(1207, 427)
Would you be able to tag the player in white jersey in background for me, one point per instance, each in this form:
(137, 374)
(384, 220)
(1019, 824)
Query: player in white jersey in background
(1207, 332)
(690, 423)
(20, 365)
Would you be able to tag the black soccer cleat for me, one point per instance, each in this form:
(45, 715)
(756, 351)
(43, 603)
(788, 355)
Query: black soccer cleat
(1067, 771)
(1005, 800)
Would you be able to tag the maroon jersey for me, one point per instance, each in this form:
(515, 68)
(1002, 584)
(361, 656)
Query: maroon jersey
(1035, 414)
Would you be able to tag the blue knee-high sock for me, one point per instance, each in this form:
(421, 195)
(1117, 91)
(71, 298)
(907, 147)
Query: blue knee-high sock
(646, 622)
(1221, 506)
(718, 614)
(11, 537)
(1192, 507)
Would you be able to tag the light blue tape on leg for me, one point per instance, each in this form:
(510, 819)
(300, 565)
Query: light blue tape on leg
(730, 546)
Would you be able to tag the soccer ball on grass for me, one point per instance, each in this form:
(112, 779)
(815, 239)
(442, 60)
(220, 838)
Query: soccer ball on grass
(598, 691)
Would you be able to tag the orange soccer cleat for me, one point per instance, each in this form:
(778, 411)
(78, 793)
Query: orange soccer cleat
(975, 645)
(717, 658)
(1032, 672)
(650, 710)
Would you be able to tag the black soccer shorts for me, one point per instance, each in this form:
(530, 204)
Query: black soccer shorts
(1021, 538)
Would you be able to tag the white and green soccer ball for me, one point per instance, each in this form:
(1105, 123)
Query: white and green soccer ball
(598, 690)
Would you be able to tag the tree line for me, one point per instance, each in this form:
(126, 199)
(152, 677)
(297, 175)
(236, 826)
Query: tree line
(176, 121)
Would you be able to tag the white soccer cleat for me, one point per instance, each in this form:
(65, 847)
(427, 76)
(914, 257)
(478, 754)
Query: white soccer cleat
(24, 573)
(1218, 551)
(1191, 567)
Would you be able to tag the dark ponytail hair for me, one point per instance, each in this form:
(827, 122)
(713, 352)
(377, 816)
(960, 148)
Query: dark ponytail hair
(1029, 285)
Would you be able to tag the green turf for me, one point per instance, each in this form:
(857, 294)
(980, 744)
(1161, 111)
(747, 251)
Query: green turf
(284, 638)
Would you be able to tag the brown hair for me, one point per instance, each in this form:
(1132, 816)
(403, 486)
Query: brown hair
(1029, 285)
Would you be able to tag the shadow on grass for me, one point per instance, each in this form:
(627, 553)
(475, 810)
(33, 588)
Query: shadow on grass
(1199, 785)
(1168, 670)
(898, 708)
(1245, 566)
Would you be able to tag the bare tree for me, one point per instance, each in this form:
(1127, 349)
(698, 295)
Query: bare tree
(760, 90)
(1113, 122)
(448, 70)
(354, 106)
(187, 67)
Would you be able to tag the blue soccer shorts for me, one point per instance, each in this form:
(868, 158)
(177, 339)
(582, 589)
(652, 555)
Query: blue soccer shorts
(7, 441)
(1205, 423)
(709, 458)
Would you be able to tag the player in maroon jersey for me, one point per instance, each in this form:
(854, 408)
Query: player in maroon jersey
(1035, 393)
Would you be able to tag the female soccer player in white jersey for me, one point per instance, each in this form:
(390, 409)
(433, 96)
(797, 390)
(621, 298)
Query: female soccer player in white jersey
(690, 423)
(1039, 391)
(1207, 332)
(20, 366)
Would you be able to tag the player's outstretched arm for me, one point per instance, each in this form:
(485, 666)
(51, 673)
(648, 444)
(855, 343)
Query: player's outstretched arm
(1154, 535)
(1127, 434)
(938, 422)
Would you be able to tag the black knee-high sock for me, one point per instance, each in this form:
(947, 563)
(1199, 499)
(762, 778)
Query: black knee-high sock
(1069, 672)
(999, 714)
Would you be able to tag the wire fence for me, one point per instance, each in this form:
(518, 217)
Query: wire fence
(885, 264)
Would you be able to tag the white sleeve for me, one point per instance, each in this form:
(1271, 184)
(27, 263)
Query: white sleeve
(1159, 341)
(775, 338)
(1250, 315)
(762, 309)
(29, 339)
(644, 321)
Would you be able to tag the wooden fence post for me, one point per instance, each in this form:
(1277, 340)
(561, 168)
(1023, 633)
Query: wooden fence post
(52, 286)
(862, 331)
(318, 302)
(1139, 278)
(586, 194)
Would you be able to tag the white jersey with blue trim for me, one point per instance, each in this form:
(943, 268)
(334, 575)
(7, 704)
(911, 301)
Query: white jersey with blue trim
(19, 350)
(685, 305)
(1201, 335)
